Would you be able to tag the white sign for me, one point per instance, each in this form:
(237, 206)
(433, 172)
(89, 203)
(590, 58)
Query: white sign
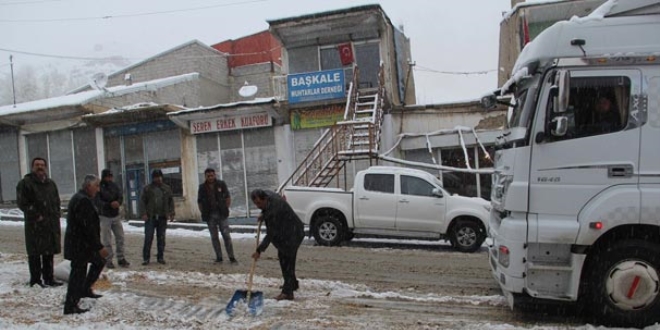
(229, 123)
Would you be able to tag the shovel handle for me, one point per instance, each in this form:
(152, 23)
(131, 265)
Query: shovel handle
(254, 264)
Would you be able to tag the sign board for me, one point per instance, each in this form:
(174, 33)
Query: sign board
(315, 86)
(314, 118)
(229, 123)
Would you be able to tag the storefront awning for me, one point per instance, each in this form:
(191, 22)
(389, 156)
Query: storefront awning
(136, 113)
(267, 106)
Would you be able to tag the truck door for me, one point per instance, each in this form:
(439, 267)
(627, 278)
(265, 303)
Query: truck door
(599, 151)
(375, 202)
(418, 209)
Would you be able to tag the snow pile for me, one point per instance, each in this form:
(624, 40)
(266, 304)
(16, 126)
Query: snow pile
(129, 303)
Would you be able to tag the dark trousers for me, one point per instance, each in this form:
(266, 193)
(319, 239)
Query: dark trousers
(218, 224)
(157, 225)
(41, 265)
(81, 281)
(287, 258)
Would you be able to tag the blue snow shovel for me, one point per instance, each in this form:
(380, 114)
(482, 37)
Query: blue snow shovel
(254, 299)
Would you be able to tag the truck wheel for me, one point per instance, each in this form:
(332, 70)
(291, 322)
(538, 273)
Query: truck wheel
(623, 285)
(328, 231)
(466, 236)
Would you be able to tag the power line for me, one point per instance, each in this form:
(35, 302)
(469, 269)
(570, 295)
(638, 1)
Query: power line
(67, 57)
(107, 17)
(465, 73)
(25, 2)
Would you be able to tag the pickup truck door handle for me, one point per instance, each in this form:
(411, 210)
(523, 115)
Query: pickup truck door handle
(404, 201)
(364, 198)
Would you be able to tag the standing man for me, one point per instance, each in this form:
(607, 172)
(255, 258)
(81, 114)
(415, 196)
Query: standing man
(110, 199)
(285, 230)
(213, 200)
(82, 245)
(156, 206)
(39, 200)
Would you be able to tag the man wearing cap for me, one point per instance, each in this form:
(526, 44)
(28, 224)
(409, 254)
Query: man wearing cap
(109, 199)
(156, 207)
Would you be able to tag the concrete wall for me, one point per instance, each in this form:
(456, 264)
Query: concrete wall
(423, 119)
(260, 75)
(186, 206)
(510, 46)
(193, 57)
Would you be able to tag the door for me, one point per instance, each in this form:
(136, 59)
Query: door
(599, 151)
(375, 202)
(134, 184)
(417, 208)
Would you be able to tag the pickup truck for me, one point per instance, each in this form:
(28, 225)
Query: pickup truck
(391, 202)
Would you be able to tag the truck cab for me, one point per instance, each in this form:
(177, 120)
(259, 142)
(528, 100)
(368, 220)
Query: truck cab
(576, 187)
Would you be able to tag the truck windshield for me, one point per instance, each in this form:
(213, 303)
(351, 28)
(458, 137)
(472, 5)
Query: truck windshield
(521, 107)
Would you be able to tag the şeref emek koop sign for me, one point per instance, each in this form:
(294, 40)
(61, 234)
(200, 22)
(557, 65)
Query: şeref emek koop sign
(315, 86)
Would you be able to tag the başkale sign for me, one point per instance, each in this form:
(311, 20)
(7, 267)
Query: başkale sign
(315, 86)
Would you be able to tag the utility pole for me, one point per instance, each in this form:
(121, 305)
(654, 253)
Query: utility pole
(13, 88)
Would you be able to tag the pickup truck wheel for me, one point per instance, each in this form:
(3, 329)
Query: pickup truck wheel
(328, 231)
(623, 287)
(466, 236)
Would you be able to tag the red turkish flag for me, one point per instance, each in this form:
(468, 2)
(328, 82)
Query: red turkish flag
(345, 54)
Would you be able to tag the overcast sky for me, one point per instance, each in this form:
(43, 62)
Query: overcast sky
(446, 36)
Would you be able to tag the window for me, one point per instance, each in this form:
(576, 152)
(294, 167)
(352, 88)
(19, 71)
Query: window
(597, 105)
(330, 60)
(379, 182)
(171, 175)
(464, 184)
(367, 56)
(9, 164)
(411, 185)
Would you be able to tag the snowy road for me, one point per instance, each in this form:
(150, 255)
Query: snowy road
(366, 285)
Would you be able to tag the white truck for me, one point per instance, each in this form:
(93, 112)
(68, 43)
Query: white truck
(391, 202)
(576, 189)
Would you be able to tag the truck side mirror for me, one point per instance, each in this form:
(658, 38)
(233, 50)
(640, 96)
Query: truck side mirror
(489, 102)
(437, 192)
(563, 86)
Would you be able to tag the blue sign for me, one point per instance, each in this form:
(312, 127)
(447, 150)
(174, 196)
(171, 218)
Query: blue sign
(315, 86)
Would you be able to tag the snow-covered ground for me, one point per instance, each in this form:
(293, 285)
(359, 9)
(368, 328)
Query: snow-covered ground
(196, 300)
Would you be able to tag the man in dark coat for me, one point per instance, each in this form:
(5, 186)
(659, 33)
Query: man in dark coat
(39, 200)
(109, 200)
(214, 200)
(156, 207)
(82, 245)
(285, 230)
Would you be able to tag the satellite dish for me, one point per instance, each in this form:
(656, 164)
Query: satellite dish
(248, 90)
(99, 80)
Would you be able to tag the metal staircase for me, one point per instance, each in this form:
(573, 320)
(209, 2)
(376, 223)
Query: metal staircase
(356, 137)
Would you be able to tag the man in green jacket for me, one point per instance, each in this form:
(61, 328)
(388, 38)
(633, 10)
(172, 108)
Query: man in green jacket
(39, 200)
(156, 207)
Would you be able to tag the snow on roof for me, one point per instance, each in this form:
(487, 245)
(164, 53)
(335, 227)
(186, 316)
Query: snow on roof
(258, 100)
(521, 5)
(88, 96)
(136, 106)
